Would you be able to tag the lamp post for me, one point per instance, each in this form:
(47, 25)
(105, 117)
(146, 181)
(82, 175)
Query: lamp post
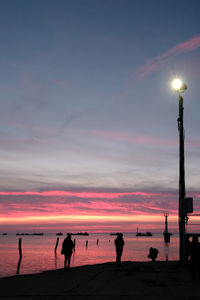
(180, 87)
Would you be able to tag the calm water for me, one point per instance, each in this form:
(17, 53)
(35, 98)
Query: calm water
(38, 251)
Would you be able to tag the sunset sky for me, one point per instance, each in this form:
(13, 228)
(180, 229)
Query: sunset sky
(88, 118)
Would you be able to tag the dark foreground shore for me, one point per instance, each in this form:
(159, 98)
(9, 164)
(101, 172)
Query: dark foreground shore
(133, 280)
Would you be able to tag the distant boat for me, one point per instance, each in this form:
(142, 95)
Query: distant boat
(59, 233)
(35, 233)
(40, 233)
(4, 233)
(80, 233)
(148, 233)
(114, 233)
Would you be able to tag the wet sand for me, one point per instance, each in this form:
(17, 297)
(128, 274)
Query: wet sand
(133, 280)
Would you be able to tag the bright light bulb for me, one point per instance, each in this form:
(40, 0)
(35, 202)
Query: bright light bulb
(177, 84)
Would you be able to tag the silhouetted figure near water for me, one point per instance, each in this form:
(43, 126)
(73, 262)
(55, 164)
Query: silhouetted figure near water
(187, 248)
(119, 244)
(195, 256)
(67, 247)
(153, 253)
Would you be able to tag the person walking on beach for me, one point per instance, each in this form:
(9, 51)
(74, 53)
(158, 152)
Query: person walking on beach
(195, 256)
(119, 244)
(67, 247)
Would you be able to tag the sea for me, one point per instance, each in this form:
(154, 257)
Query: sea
(38, 252)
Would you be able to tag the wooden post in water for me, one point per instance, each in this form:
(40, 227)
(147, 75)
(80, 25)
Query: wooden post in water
(20, 247)
(20, 255)
(56, 244)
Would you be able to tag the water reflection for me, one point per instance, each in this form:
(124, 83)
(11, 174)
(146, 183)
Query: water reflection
(57, 241)
(55, 260)
(38, 251)
(166, 251)
(73, 256)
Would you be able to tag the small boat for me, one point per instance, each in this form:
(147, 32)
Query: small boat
(80, 233)
(35, 233)
(147, 233)
(59, 233)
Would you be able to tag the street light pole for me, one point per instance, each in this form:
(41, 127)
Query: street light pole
(182, 213)
(180, 87)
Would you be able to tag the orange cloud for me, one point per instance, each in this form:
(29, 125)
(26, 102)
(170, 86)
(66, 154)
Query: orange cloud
(81, 218)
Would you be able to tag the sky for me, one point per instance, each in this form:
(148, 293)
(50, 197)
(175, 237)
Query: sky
(88, 118)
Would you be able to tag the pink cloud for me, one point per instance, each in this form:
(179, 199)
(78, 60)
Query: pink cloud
(96, 207)
(139, 139)
(95, 210)
(131, 138)
(95, 203)
(155, 63)
(91, 209)
(107, 195)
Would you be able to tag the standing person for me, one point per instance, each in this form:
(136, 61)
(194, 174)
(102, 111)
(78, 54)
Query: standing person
(67, 247)
(187, 248)
(119, 244)
(195, 256)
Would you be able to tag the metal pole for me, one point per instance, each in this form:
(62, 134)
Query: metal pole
(182, 213)
(166, 226)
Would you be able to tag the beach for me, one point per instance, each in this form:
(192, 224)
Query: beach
(133, 280)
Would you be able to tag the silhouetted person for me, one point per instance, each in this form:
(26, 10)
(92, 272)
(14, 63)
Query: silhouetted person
(86, 244)
(187, 248)
(67, 247)
(153, 253)
(97, 242)
(195, 256)
(119, 244)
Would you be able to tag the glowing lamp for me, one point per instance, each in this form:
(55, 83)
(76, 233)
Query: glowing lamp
(178, 85)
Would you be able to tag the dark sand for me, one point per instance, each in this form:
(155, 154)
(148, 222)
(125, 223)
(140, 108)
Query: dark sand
(134, 280)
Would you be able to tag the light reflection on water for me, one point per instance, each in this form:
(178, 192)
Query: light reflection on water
(38, 251)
